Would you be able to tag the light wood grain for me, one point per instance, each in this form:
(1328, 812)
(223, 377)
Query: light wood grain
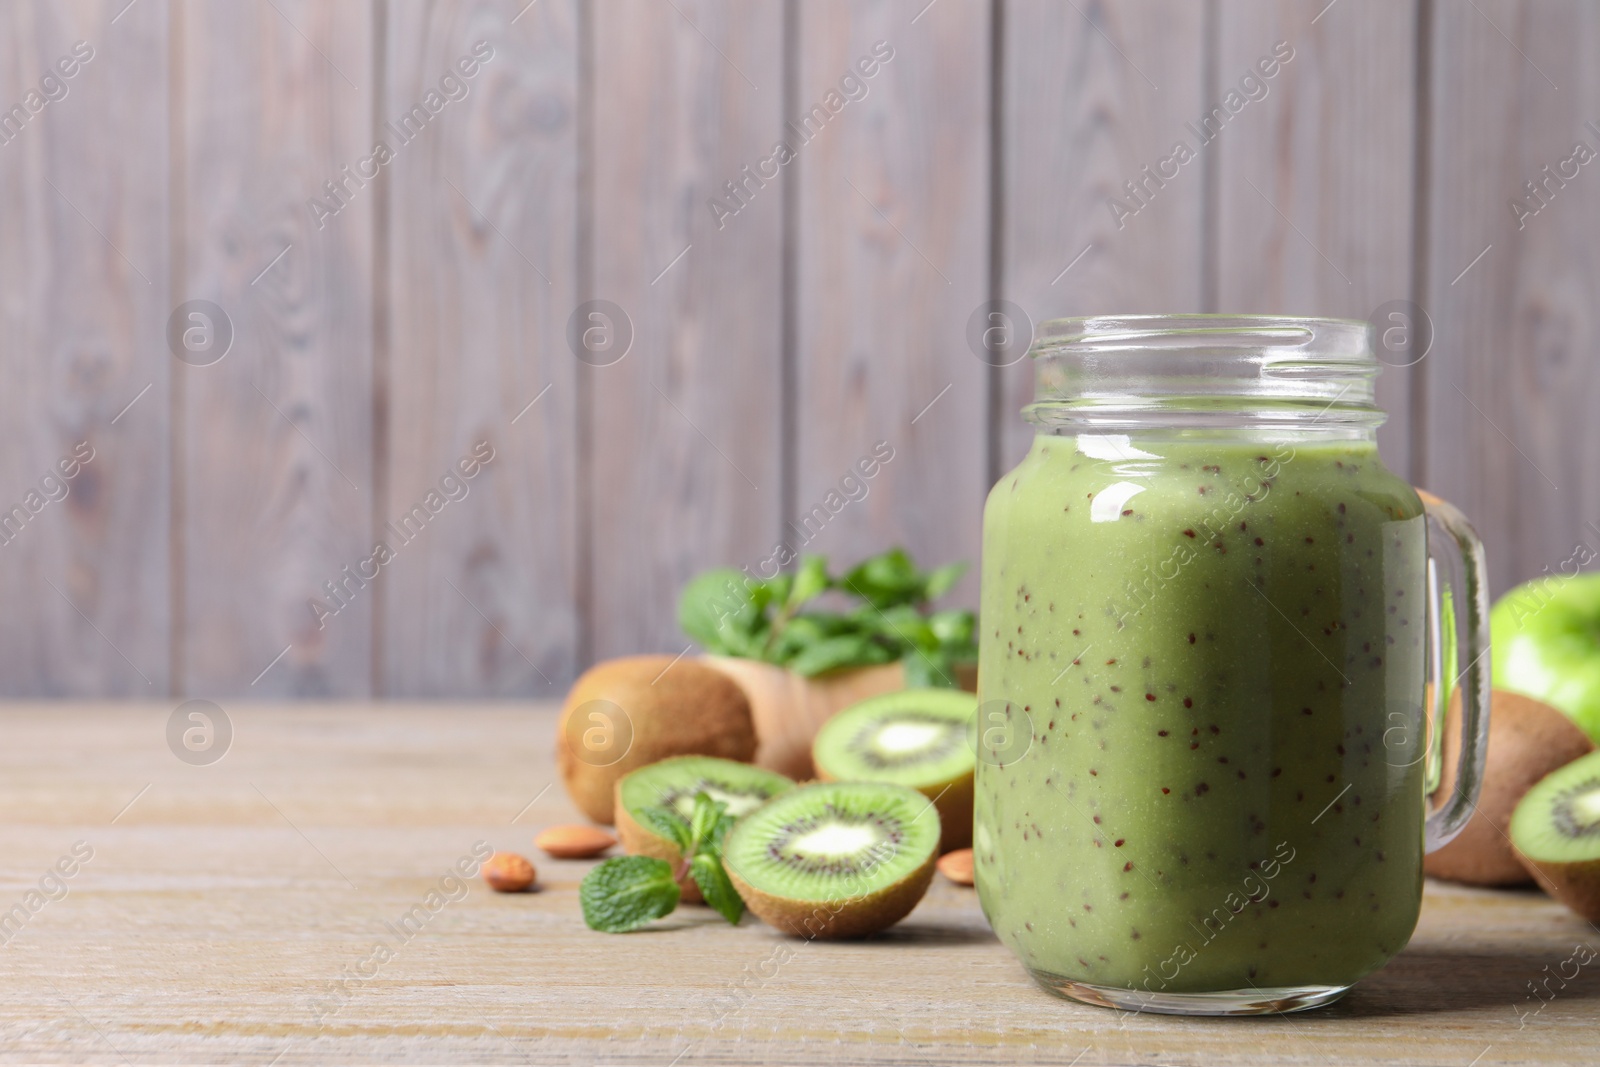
(892, 252)
(1512, 379)
(276, 437)
(829, 313)
(685, 442)
(1316, 180)
(1090, 97)
(227, 900)
(482, 278)
(85, 272)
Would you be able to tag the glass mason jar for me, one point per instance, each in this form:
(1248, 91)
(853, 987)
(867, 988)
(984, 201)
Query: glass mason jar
(1209, 661)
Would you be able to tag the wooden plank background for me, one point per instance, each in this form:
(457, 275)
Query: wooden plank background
(481, 252)
(683, 438)
(275, 446)
(86, 258)
(782, 313)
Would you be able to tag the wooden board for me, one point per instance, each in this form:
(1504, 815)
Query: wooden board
(1091, 94)
(1511, 382)
(891, 259)
(481, 279)
(685, 430)
(86, 273)
(227, 912)
(1316, 173)
(276, 435)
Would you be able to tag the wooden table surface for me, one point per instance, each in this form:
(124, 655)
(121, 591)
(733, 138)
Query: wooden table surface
(229, 913)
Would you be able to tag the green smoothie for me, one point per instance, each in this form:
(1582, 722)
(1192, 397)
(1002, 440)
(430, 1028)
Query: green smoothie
(1201, 688)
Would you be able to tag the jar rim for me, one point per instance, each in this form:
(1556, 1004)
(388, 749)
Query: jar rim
(1120, 371)
(1284, 336)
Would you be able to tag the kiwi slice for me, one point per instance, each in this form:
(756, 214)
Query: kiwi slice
(916, 738)
(672, 784)
(835, 859)
(1556, 832)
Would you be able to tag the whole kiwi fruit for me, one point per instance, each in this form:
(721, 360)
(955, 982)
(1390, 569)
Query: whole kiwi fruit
(626, 713)
(1527, 740)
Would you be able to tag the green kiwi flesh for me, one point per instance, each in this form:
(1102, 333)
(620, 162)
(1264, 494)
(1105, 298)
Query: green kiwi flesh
(672, 784)
(1556, 833)
(835, 859)
(917, 738)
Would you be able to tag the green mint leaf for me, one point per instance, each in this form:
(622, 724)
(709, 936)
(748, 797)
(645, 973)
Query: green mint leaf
(703, 823)
(942, 580)
(887, 580)
(749, 644)
(801, 632)
(775, 591)
(714, 885)
(953, 627)
(716, 607)
(670, 825)
(928, 670)
(859, 582)
(808, 629)
(627, 892)
(905, 625)
(919, 673)
(893, 566)
(829, 623)
(724, 824)
(834, 653)
(810, 581)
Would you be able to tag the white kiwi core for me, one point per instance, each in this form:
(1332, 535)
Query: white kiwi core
(837, 839)
(900, 738)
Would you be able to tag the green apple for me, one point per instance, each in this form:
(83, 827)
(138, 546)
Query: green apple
(1545, 637)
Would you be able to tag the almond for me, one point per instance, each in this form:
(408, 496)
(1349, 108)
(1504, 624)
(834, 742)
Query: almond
(957, 866)
(507, 872)
(574, 842)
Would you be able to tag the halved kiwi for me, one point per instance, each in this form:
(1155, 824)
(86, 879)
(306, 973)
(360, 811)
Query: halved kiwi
(672, 784)
(835, 859)
(1556, 832)
(916, 738)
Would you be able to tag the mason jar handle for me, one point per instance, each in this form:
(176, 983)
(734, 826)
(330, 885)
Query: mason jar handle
(1458, 623)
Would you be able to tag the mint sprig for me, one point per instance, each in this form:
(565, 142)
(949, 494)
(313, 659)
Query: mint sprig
(731, 613)
(628, 892)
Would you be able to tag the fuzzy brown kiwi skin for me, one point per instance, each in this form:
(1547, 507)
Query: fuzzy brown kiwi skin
(638, 840)
(955, 814)
(1527, 740)
(831, 920)
(676, 709)
(1577, 885)
(952, 800)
